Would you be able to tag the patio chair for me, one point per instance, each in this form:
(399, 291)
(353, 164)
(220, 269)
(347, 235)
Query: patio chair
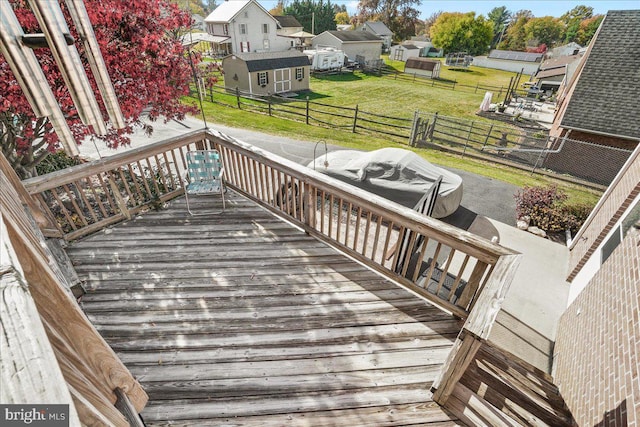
(204, 176)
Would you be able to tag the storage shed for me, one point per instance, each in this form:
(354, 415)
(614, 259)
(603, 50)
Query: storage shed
(423, 67)
(267, 72)
(402, 52)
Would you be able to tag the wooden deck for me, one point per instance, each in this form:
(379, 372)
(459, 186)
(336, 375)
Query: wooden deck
(241, 319)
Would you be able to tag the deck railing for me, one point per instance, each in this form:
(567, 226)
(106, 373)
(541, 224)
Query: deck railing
(442, 263)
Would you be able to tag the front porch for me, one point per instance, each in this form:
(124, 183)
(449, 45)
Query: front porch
(308, 301)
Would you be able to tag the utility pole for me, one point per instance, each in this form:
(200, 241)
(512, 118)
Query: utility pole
(313, 22)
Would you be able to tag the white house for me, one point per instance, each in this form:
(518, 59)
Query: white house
(248, 26)
(352, 43)
(377, 28)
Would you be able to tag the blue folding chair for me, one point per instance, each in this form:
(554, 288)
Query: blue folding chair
(205, 176)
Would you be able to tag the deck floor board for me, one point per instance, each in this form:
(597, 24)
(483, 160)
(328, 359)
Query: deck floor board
(241, 319)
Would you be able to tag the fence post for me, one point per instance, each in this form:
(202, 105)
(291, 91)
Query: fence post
(487, 138)
(355, 119)
(269, 103)
(414, 128)
(238, 97)
(500, 92)
(307, 110)
(211, 92)
(476, 91)
(433, 127)
(464, 150)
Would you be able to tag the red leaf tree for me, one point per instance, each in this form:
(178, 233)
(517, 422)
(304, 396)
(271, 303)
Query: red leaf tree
(146, 63)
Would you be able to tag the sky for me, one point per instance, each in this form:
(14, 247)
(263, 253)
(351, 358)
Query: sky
(539, 8)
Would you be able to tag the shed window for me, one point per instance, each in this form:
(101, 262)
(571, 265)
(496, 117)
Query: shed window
(299, 73)
(263, 78)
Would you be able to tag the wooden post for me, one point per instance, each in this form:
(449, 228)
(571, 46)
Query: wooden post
(476, 91)
(487, 138)
(414, 128)
(269, 103)
(462, 354)
(307, 110)
(238, 97)
(355, 119)
(211, 93)
(433, 126)
(464, 150)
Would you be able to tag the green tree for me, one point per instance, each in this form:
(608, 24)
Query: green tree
(428, 23)
(400, 16)
(587, 29)
(315, 16)
(514, 37)
(278, 9)
(458, 32)
(546, 30)
(342, 18)
(572, 20)
(499, 17)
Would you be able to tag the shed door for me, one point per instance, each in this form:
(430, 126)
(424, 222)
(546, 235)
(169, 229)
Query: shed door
(282, 80)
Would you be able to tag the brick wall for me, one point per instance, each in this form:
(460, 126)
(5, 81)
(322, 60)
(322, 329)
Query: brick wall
(615, 201)
(597, 351)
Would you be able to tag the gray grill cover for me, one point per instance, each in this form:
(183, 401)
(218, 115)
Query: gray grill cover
(395, 174)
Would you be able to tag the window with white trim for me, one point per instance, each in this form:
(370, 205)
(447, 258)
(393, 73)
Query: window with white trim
(265, 44)
(244, 47)
(243, 28)
(299, 73)
(265, 28)
(225, 29)
(263, 78)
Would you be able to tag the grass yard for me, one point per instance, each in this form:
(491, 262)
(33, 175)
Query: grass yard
(384, 95)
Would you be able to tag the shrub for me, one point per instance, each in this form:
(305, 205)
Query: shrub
(547, 208)
(55, 162)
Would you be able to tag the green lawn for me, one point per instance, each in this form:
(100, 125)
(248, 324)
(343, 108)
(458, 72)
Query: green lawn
(398, 98)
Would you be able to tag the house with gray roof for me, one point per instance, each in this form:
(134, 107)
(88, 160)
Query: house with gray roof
(379, 29)
(352, 43)
(248, 27)
(267, 73)
(554, 71)
(600, 103)
(509, 60)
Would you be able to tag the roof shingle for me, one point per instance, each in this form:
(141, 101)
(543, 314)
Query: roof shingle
(273, 60)
(607, 93)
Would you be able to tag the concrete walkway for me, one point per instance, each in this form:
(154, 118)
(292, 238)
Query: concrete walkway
(527, 323)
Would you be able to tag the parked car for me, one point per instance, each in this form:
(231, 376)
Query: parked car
(399, 175)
